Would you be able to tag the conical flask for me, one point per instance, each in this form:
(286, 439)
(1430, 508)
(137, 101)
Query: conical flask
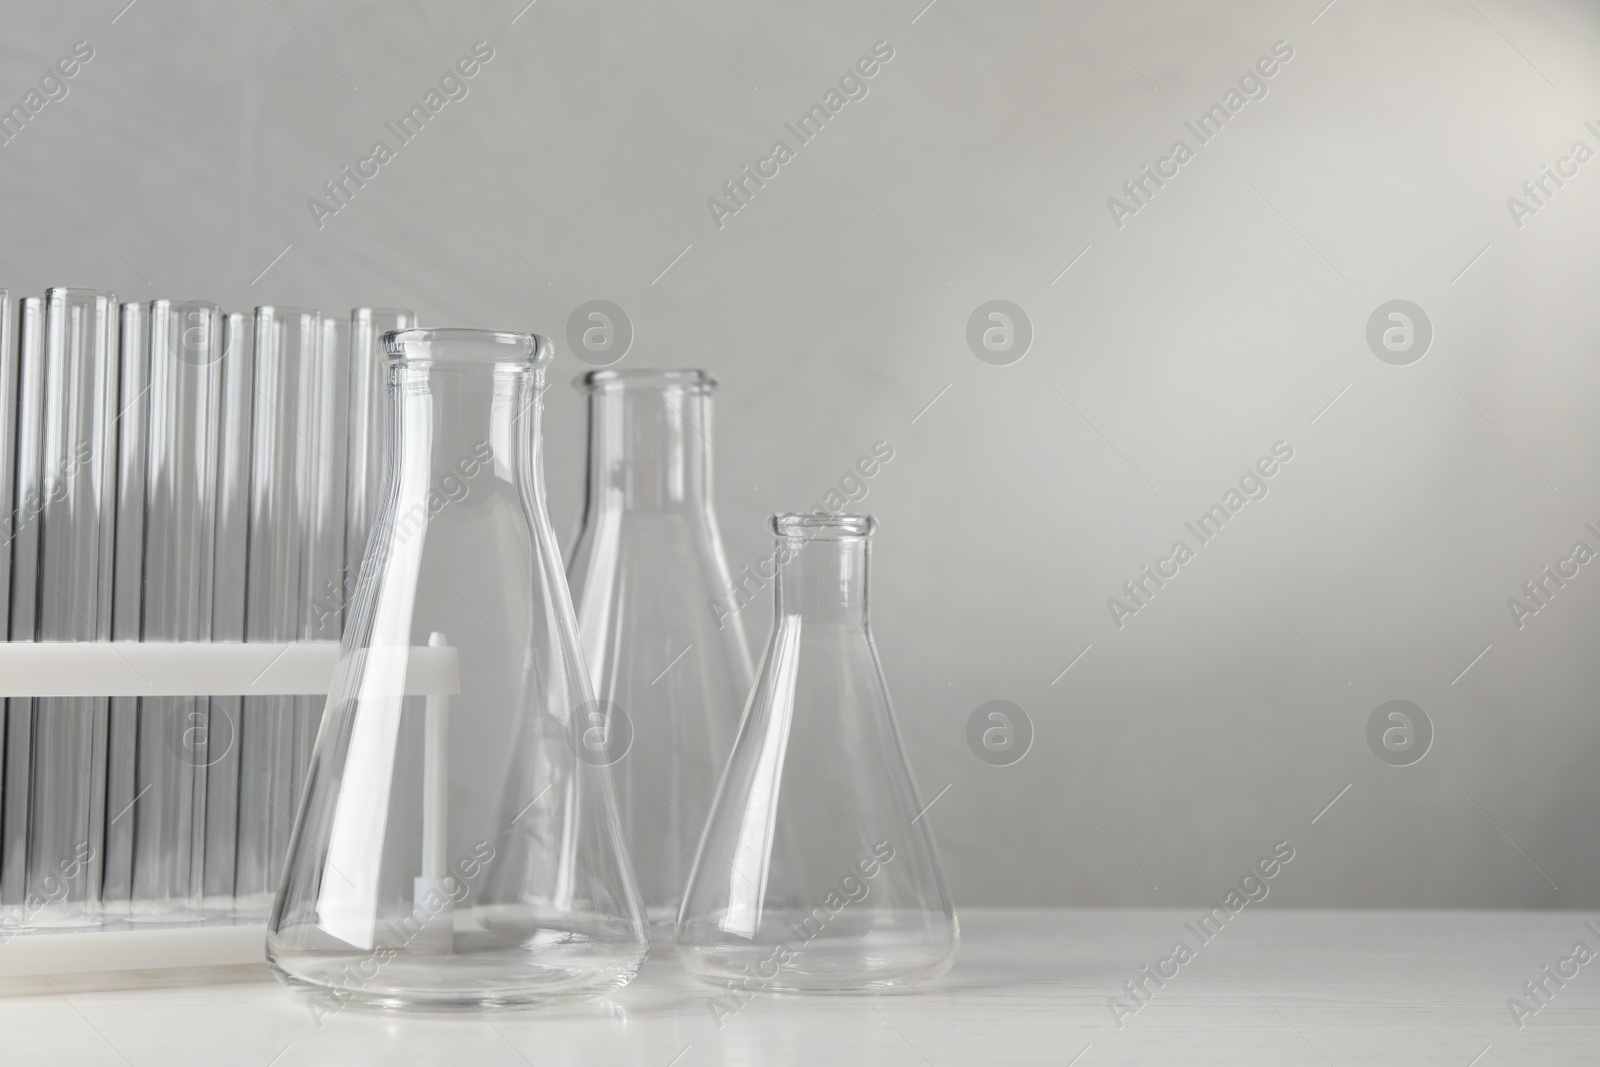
(659, 625)
(453, 847)
(818, 872)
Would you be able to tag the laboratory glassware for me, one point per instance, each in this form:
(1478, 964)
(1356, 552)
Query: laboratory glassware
(23, 533)
(818, 872)
(8, 471)
(228, 605)
(657, 616)
(76, 554)
(323, 423)
(8, 456)
(458, 844)
(180, 517)
(127, 600)
(288, 348)
(364, 450)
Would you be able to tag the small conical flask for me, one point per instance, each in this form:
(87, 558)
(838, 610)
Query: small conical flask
(456, 845)
(818, 872)
(659, 622)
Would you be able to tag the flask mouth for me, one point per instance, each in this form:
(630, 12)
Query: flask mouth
(616, 381)
(813, 526)
(466, 347)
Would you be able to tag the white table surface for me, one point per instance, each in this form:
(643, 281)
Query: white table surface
(1030, 987)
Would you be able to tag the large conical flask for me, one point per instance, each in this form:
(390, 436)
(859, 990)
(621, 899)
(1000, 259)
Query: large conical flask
(457, 845)
(818, 872)
(660, 626)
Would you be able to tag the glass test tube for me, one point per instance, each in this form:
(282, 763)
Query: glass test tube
(180, 532)
(227, 605)
(76, 553)
(127, 599)
(287, 343)
(8, 465)
(8, 460)
(23, 534)
(324, 406)
(364, 463)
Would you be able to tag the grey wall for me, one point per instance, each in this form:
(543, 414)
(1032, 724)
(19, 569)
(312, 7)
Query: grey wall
(1221, 318)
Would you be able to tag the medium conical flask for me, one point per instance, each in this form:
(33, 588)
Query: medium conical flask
(456, 845)
(818, 872)
(659, 623)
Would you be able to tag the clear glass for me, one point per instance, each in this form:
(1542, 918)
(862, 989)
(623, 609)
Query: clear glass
(457, 845)
(127, 600)
(8, 458)
(180, 519)
(8, 485)
(23, 533)
(237, 368)
(650, 581)
(323, 424)
(288, 350)
(76, 555)
(363, 464)
(818, 872)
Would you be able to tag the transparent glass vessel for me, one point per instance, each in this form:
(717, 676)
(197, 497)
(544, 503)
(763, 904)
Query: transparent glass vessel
(66, 836)
(364, 444)
(8, 456)
(127, 601)
(661, 633)
(324, 405)
(8, 517)
(288, 357)
(23, 531)
(818, 872)
(180, 520)
(228, 584)
(457, 846)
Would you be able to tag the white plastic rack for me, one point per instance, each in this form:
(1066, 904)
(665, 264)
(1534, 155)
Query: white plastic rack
(221, 668)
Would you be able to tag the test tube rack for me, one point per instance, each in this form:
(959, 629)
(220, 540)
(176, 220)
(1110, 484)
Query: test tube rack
(220, 668)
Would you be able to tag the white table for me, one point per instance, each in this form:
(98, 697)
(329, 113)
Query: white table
(1031, 986)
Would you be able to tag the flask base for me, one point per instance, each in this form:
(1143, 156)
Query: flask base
(864, 957)
(467, 968)
(431, 983)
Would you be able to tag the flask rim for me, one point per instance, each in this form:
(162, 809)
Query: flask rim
(454, 345)
(814, 526)
(613, 381)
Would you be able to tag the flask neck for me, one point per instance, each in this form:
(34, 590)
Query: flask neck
(441, 414)
(822, 579)
(649, 448)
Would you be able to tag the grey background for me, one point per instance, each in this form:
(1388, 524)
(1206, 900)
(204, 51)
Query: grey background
(1223, 317)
